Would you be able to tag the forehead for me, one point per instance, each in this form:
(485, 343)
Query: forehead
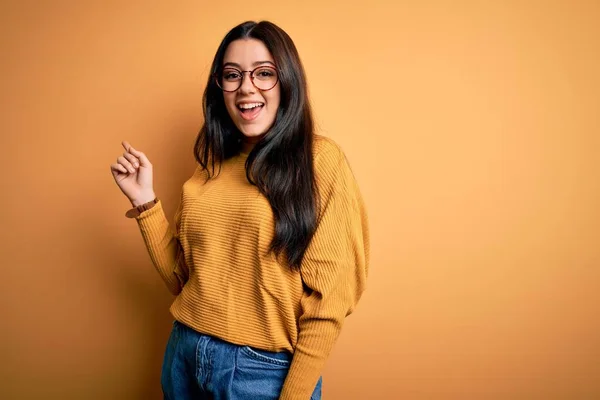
(246, 52)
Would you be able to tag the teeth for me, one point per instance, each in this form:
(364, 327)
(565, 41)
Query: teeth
(248, 106)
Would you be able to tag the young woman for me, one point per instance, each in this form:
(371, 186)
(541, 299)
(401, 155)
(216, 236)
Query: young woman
(270, 248)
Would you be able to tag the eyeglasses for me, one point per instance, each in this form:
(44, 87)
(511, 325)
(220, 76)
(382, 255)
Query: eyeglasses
(231, 79)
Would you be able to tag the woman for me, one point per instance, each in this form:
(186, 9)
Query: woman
(270, 248)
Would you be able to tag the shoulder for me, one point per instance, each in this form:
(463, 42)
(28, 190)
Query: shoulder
(327, 154)
(331, 166)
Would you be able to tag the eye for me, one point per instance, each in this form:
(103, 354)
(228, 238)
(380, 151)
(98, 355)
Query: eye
(266, 72)
(268, 75)
(231, 74)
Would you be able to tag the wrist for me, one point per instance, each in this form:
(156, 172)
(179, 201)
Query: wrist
(143, 199)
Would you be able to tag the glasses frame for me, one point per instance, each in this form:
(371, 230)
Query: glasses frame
(216, 78)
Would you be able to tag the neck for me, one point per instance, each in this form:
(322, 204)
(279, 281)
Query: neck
(249, 143)
(246, 147)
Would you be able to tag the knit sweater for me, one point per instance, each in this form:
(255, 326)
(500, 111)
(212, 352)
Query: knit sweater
(228, 285)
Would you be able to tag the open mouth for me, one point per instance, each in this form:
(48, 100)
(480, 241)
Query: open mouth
(250, 111)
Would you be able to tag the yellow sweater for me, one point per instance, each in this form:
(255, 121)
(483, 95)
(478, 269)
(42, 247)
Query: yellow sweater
(228, 286)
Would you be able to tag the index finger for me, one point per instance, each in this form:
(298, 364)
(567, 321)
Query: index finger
(126, 145)
(142, 157)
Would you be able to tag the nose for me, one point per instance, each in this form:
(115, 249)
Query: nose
(247, 85)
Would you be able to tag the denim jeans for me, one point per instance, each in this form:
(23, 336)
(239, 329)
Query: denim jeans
(198, 366)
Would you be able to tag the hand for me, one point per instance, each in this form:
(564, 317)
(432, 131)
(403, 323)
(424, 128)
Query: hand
(133, 174)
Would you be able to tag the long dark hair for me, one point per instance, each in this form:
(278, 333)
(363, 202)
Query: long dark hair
(281, 163)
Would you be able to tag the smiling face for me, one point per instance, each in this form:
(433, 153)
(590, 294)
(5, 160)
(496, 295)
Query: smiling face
(253, 111)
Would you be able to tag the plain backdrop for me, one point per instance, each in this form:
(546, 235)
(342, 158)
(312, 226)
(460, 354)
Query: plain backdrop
(472, 127)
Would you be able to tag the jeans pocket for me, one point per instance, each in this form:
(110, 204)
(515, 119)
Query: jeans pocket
(281, 359)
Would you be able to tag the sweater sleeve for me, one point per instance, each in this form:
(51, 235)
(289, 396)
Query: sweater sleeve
(334, 270)
(164, 246)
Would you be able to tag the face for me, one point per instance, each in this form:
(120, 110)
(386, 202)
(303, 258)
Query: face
(252, 110)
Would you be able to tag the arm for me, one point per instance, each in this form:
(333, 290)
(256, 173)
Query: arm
(164, 246)
(334, 269)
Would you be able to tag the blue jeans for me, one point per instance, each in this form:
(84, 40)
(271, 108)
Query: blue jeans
(198, 366)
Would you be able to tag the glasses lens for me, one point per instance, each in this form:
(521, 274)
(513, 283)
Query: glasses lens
(230, 79)
(265, 77)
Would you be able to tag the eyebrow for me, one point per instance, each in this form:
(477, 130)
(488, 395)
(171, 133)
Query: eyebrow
(227, 64)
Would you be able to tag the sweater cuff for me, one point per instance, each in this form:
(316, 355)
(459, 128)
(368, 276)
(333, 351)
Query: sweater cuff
(136, 211)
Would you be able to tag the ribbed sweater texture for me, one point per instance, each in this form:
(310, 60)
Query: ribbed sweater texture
(215, 260)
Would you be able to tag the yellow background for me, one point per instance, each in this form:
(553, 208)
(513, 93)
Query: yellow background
(472, 127)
